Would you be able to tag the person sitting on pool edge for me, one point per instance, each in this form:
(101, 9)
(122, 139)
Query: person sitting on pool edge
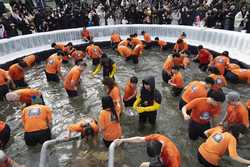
(89, 129)
(109, 121)
(130, 92)
(108, 66)
(53, 67)
(37, 121)
(72, 79)
(218, 142)
(176, 81)
(4, 134)
(159, 147)
(27, 96)
(148, 102)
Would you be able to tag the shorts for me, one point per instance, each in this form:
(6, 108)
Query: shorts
(3, 91)
(52, 77)
(176, 91)
(196, 130)
(133, 58)
(204, 162)
(95, 62)
(231, 77)
(165, 76)
(107, 143)
(156, 163)
(72, 93)
(150, 116)
(130, 102)
(33, 138)
(182, 103)
(20, 83)
(5, 136)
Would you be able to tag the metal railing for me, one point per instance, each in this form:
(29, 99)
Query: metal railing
(111, 154)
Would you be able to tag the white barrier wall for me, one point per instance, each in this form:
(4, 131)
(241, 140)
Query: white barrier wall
(238, 44)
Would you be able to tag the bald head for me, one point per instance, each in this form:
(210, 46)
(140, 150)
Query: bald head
(12, 96)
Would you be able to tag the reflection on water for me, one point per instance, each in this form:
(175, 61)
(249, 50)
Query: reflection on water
(65, 111)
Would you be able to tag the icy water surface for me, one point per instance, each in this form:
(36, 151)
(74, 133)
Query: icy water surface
(65, 112)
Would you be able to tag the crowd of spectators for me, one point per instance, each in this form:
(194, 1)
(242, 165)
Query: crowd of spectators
(25, 17)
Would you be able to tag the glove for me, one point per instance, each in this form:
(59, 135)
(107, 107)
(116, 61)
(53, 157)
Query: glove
(140, 109)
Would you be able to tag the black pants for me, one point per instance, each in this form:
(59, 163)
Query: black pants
(20, 83)
(196, 130)
(3, 91)
(130, 102)
(96, 61)
(72, 93)
(203, 67)
(52, 77)
(182, 103)
(150, 116)
(33, 138)
(107, 143)
(5, 136)
(231, 77)
(133, 58)
(165, 76)
(176, 91)
(204, 162)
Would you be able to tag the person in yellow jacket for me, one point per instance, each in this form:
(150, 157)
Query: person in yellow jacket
(148, 102)
(108, 65)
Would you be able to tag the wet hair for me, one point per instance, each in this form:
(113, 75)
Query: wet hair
(22, 64)
(157, 38)
(60, 53)
(143, 32)
(237, 129)
(131, 35)
(209, 80)
(218, 95)
(135, 35)
(225, 53)
(134, 80)
(154, 148)
(179, 41)
(214, 70)
(69, 44)
(109, 82)
(53, 44)
(107, 103)
(128, 39)
(184, 34)
(200, 47)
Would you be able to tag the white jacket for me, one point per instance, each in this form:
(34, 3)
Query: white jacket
(239, 18)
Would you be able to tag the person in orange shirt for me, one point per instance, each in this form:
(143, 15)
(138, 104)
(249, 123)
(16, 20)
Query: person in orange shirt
(125, 42)
(72, 79)
(94, 52)
(135, 40)
(115, 40)
(137, 51)
(219, 80)
(37, 120)
(203, 111)
(237, 113)
(4, 134)
(30, 60)
(88, 128)
(167, 68)
(58, 46)
(218, 142)
(27, 96)
(195, 89)
(86, 35)
(108, 66)
(180, 60)
(181, 46)
(204, 57)
(77, 55)
(109, 121)
(124, 51)
(231, 77)
(147, 40)
(53, 67)
(4, 82)
(16, 73)
(161, 43)
(241, 76)
(221, 62)
(176, 81)
(114, 92)
(130, 92)
(162, 149)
